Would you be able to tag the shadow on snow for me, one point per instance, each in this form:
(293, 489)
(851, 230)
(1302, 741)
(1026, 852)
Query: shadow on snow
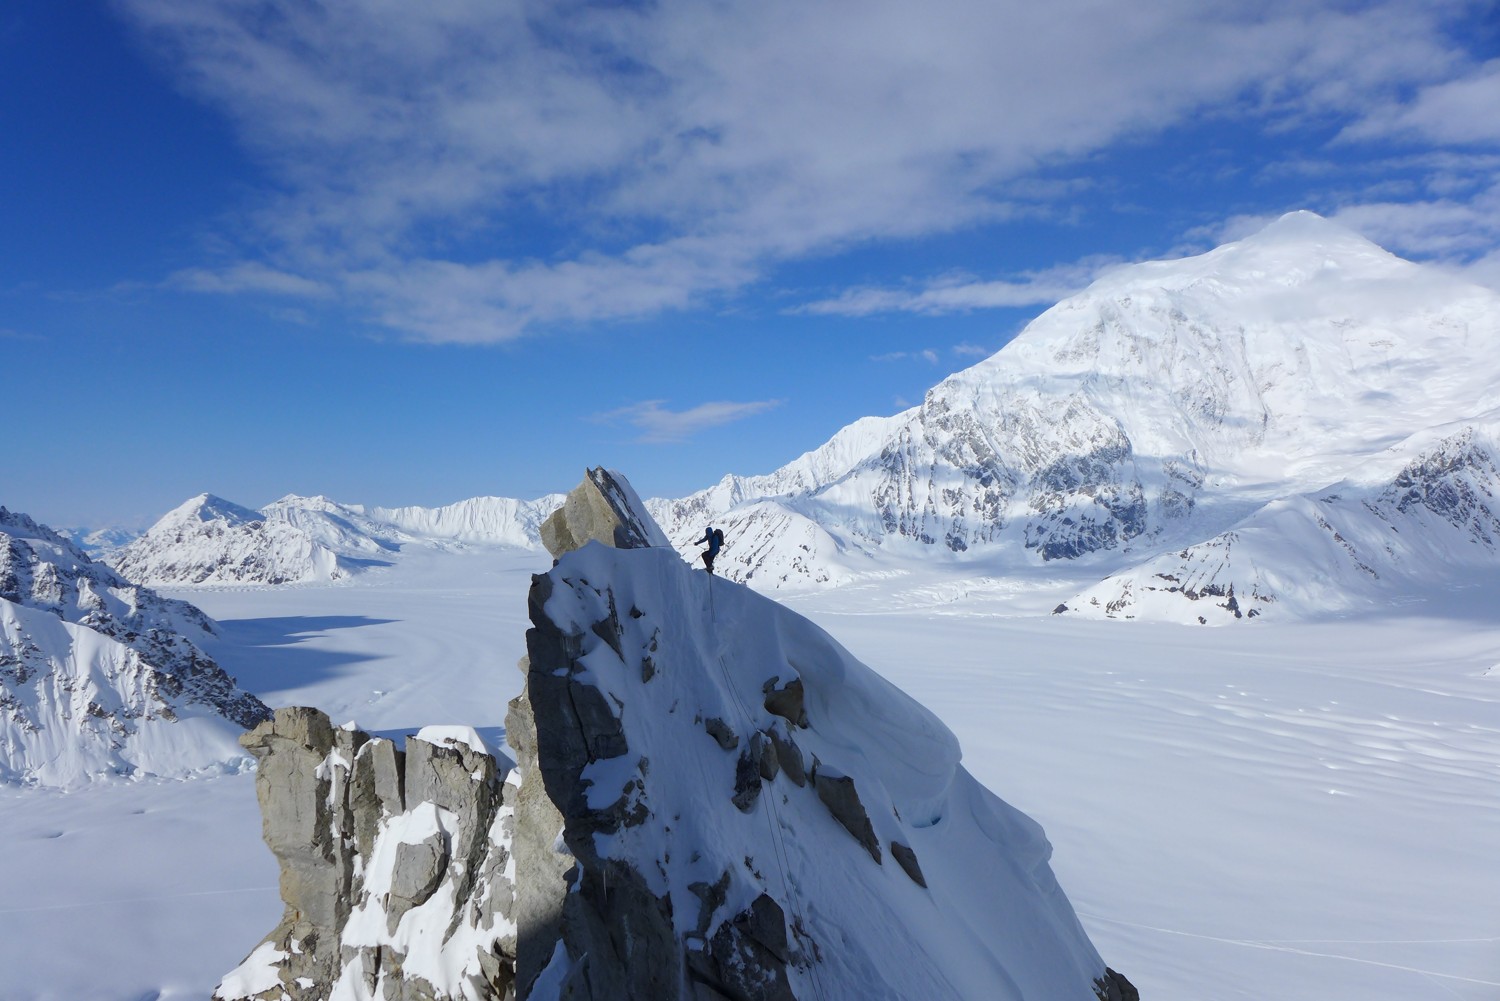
(270, 654)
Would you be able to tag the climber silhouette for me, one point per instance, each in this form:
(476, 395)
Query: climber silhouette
(715, 539)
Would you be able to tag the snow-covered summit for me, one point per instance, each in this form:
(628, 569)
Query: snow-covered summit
(1161, 405)
(208, 540)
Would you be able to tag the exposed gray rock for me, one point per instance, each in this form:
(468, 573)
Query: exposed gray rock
(788, 756)
(341, 809)
(907, 860)
(420, 867)
(1114, 987)
(838, 794)
(764, 752)
(721, 733)
(787, 701)
(603, 508)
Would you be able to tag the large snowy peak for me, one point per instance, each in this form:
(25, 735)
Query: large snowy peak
(1162, 405)
(99, 676)
(209, 540)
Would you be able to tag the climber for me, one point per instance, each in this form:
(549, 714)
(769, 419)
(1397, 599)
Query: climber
(714, 537)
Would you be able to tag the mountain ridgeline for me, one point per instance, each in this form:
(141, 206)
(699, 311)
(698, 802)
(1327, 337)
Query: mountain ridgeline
(101, 677)
(711, 800)
(1153, 428)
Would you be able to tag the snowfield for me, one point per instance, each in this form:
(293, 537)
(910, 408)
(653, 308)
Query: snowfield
(1290, 810)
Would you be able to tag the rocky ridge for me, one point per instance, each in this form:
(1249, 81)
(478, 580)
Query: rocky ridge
(710, 800)
(101, 676)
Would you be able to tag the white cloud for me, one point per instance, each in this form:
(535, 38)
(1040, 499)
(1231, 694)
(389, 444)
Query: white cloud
(963, 293)
(928, 355)
(1460, 111)
(1439, 228)
(678, 150)
(972, 350)
(248, 276)
(660, 425)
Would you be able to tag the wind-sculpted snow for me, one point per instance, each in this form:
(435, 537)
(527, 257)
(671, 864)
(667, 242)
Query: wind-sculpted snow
(99, 676)
(1155, 409)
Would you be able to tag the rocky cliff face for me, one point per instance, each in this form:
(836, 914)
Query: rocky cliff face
(710, 800)
(99, 676)
(396, 866)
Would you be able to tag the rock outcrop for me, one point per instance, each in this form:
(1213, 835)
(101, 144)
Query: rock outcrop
(396, 867)
(603, 508)
(710, 800)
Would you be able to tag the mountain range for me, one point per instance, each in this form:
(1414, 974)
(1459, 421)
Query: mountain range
(1248, 426)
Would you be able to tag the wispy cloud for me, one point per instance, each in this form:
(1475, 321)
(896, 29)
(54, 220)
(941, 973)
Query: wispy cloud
(964, 293)
(972, 350)
(474, 170)
(929, 356)
(658, 424)
(248, 276)
(7, 334)
(1459, 111)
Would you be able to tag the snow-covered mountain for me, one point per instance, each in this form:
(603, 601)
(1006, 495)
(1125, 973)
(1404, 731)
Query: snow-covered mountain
(1160, 407)
(711, 799)
(1351, 546)
(100, 543)
(1168, 404)
(99, 676)
(209, 540)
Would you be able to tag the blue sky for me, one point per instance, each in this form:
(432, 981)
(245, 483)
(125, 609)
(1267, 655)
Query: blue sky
(404, 253)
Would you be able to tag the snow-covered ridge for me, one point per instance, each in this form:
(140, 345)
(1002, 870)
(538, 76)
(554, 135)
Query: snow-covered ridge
(1421, 516)
(208, 540)
(497, 520)
(99, 676)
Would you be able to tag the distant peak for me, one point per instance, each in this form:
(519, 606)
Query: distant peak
(209, 507)
(1301, 226)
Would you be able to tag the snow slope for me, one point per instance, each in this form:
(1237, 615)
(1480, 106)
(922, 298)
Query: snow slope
(101, 677)
(1236, 814)
(839, 816)
(1356, 545)
(1157, 408)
